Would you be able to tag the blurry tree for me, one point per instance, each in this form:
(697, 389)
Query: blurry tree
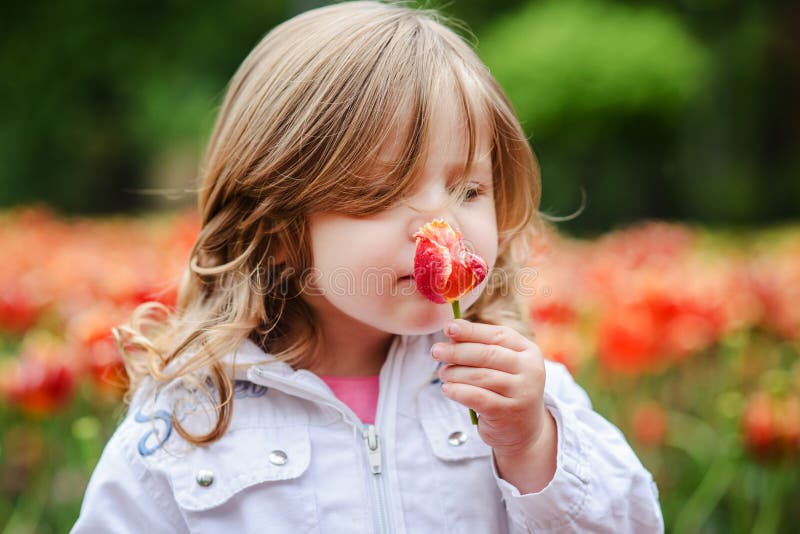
(657, 109)
(94, 91)
(600, 89)
(738, 151)
(677, 109)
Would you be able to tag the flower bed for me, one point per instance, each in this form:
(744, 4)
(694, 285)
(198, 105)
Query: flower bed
(686, 339)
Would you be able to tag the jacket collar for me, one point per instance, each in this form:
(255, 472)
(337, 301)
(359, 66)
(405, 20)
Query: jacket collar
(415, 349)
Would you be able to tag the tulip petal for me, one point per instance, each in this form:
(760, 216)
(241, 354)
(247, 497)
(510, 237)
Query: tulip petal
(444, 269)
(432, 268)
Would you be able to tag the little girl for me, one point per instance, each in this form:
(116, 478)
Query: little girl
(303, 384)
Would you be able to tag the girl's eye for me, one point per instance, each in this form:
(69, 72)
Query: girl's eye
(472, 193)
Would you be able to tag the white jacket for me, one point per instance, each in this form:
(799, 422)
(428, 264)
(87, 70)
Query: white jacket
(295, 459)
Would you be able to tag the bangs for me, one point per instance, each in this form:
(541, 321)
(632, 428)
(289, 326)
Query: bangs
(395, 145)
(343, 124)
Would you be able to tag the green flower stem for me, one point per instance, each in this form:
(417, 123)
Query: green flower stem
(457, 314)
(456, 309)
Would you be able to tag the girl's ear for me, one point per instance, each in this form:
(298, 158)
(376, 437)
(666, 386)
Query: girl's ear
(277, 248)
(278, 257)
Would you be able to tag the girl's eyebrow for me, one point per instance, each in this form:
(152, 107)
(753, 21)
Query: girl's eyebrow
(481, 163)
(456, 171)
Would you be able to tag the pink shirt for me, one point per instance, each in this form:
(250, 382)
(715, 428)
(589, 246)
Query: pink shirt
(360, 393)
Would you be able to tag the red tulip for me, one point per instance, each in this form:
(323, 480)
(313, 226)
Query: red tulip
(628, 340)
(771, 426)
(40, 380)
(790, 424)
(444, 270)
(89, 335)
(19, 311)
(650, 424)
(758, 424)
(561, 343)
(554, 313)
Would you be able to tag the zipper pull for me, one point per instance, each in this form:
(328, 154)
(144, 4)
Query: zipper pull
(373, 443)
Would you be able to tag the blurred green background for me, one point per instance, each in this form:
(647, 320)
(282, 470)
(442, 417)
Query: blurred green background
(681, 109)
(674, 297)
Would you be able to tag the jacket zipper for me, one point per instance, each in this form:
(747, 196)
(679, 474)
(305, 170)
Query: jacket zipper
(369, 435)
(374, 454)
(373, 443)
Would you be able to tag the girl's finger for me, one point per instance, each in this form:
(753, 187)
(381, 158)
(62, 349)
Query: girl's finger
(496, 381)
(481, 400)
(486, 333)
(477, 355)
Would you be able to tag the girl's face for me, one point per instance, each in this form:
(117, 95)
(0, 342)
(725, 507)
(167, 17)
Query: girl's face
(362, 264)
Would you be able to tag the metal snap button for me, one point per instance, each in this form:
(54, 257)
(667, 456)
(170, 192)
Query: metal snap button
(205, 477)
(278, 457)
(457, 438)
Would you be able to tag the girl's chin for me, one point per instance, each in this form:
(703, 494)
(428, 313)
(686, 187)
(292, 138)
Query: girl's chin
(425, 322)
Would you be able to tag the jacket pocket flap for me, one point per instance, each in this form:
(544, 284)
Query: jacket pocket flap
(447, 425)
(209, 476)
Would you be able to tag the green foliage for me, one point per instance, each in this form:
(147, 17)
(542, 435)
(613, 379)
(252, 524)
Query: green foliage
(93, 92)
(570, 61)
(670, 109)
(675, 112)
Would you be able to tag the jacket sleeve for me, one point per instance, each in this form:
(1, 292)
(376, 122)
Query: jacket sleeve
(123, 496)
(599, 484)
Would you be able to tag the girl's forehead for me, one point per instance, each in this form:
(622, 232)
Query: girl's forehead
(448, 126)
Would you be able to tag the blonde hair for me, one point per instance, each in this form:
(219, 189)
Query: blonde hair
(296, 135)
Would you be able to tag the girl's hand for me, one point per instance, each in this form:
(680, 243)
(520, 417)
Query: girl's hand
(500, 374)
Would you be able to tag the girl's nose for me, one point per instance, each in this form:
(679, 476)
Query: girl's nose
(431, 204)
(419, 220)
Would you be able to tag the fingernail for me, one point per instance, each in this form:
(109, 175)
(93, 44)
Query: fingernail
(436, 351)
(452, 329)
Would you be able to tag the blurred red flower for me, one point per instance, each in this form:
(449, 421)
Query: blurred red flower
(89, 337)
(774, 278)
(41, 379)
(650, 424)
(771, 425)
